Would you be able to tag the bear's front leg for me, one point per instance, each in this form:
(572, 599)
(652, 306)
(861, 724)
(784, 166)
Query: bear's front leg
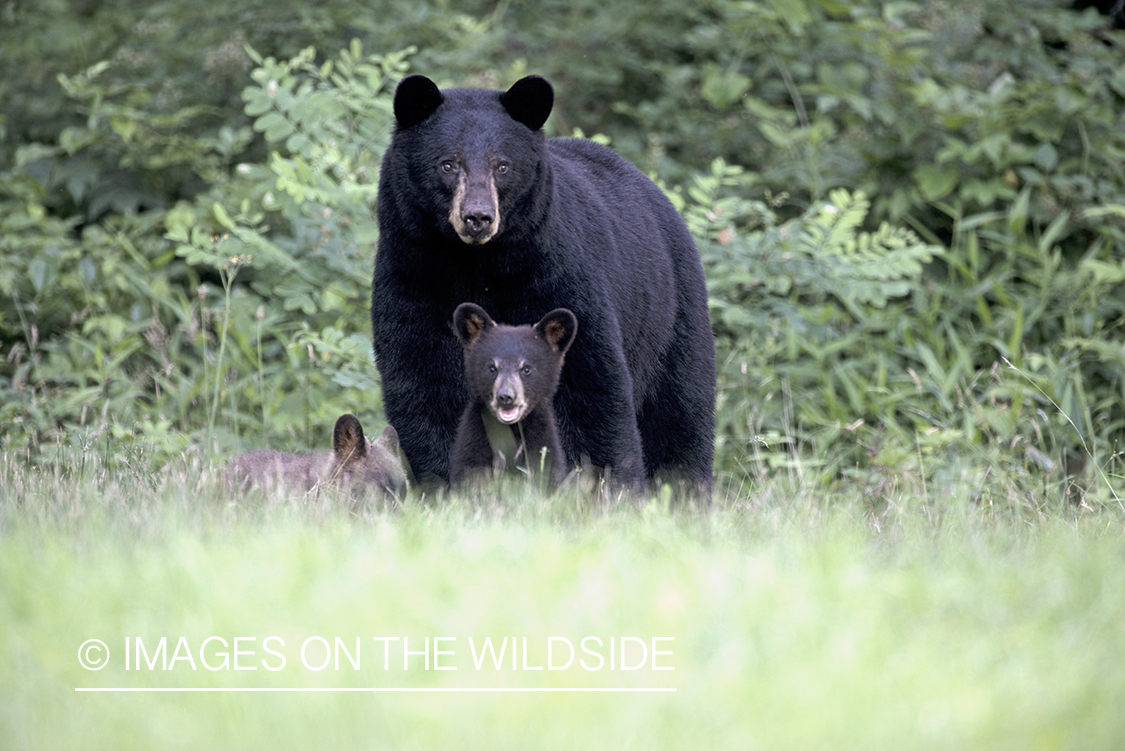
(422, 375)
(596, 418)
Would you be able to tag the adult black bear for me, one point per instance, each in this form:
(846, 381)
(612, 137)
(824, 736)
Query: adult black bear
(513, 373)
(476, 204)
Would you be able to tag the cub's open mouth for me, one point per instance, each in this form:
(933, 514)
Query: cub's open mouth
(509, 415)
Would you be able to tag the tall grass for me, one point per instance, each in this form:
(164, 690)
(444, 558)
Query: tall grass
(802, 617)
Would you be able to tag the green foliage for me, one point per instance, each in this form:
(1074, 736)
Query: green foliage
(252, 316)
(182, 250)
(910, 102)
(802, 307)
(838, 352)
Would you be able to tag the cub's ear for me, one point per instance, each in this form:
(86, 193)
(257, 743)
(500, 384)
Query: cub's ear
(416, 98)
(558, 329)
(388, 439)
(348, 442)
(469, 321)
(529, 101)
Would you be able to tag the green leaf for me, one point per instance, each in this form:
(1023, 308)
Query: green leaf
(936, 181)
(258, 102)
(1053, 232)
(297, 142)
(124, 127)
(1046, 157)
(794, 12)
(37, 270)
(33, 152)
(722, 88)
(1016, 337)
(221, 215)
(1103, 272)
(274, 126)
(1017, 214)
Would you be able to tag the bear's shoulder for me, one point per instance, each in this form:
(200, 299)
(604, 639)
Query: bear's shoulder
(581, 150)
(597, 167)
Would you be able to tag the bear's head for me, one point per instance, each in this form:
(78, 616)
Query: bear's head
(473, 157)
(359, 463)
(513, 369)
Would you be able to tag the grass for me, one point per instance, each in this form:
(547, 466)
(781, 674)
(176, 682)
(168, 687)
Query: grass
(801, 618)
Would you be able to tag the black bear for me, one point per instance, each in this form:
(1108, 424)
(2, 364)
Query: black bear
(513, 372)
(355, 463)
(476, 204)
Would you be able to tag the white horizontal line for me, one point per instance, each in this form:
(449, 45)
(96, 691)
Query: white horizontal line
(376, 690)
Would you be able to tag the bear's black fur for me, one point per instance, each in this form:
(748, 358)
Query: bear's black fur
(476, 204)
(513, 372)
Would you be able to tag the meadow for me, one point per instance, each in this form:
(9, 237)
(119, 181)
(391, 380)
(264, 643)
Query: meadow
(912, 223)
(799, 618)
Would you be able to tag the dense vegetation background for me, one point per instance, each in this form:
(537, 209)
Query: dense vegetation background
(912, 217)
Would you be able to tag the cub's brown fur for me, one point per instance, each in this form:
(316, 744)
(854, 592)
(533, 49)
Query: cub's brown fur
(354, 463)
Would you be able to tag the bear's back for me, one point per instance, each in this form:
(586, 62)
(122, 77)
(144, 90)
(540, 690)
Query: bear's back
(271, 469)
(607, 176)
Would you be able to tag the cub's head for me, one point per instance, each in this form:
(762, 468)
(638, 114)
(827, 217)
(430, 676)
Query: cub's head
(472, 156)
(513, 369)
(362, 464)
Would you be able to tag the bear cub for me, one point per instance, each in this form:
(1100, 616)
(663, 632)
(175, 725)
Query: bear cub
(355, 463)
(513, 373)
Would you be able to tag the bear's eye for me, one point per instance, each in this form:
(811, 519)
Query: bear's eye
(491, 369)
(448, 166)
(526, 370)
(502, 168)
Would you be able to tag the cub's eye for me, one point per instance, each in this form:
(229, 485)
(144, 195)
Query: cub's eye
(502, 168)
(491, 369)
(526, 370)
(448, 166)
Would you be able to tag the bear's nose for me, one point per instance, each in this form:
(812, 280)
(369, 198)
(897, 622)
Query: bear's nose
(505, 393)
(477, 220)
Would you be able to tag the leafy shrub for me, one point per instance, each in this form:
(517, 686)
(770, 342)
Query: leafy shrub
(189, 269)
(843, 351)
(196, 324)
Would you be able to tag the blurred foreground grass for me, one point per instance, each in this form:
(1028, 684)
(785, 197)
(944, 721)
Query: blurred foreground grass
(801, 619)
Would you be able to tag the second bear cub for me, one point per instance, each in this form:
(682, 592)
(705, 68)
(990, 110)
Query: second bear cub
(513, 373)
(355, 463)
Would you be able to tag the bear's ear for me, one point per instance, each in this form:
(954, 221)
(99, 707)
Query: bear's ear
(558, 329)
(388, 439)
(348, 443)
(416, 98)
(529, 101)
(469, 321)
